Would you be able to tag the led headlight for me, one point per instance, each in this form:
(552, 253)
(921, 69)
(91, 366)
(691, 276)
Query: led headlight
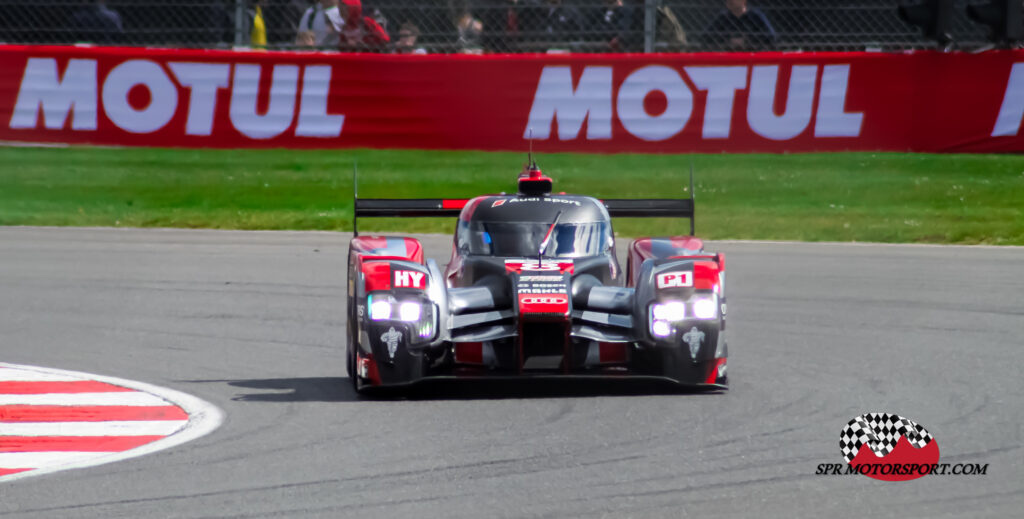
(419, 314)
(705, 307)
(673, 311)
(409, 311)
(661, 328)
(380, 309)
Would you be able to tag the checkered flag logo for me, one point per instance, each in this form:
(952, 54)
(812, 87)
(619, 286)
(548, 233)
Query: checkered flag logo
(880, 432)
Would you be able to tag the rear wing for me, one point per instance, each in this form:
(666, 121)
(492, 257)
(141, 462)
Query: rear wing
(653, 208)
(452, 207)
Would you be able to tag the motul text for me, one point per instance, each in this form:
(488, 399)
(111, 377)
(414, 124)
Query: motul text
(79, 94)
(657, 103)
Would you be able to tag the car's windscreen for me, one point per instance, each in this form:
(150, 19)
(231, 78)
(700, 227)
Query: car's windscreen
(523, 239)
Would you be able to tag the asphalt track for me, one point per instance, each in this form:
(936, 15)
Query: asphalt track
(253, 323)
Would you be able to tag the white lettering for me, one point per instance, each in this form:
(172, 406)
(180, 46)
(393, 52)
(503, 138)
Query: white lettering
(1012, 110)
(314, 121)
(163, 96)
(203, 81)
(675, 279)
(637, 86)
(409, 279)
(721, 84)
(832, 120)
(556, 99)
(799, 101)
(74, 93)
(280, 112)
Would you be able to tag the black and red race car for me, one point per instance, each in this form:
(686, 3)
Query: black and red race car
(534, 288)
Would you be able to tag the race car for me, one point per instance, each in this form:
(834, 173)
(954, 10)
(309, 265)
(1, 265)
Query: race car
(533, 288)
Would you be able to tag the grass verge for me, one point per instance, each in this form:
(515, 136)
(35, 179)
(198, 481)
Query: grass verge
(880, 197)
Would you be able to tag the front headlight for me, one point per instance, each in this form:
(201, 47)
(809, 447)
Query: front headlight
(660, 329)
(663, 315)
(409, 311)
(420, 314)
(705, 307)
(673, 311)
(380, 309)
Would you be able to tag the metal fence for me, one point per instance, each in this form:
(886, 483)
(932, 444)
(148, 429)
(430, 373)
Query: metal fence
(447, 26)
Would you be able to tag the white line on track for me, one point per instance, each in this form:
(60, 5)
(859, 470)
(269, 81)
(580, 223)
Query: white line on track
(43, 460)
(203, 418)
(20, 375)
(112, 428)
(130, 398)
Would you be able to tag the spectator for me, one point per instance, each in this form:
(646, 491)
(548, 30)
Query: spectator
(561, 23)
(740, 27)
(615, 26)
(500, 19)
(360, 33)
(305, 40)
(258, 32)
(407, 37)
(321, 23)
(283, 20)
(97, 23)
(469, 30)
(670, 31)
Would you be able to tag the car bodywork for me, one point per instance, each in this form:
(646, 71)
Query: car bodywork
(534, 288)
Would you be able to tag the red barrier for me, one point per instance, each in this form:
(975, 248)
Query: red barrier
(663, 103)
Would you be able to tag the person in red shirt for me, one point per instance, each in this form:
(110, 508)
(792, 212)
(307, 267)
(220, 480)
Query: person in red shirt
(360, 33)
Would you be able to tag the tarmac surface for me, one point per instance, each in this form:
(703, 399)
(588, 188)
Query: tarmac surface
(253, 322)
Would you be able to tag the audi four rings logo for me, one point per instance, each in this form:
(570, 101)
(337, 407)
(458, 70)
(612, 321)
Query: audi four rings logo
(556, 300)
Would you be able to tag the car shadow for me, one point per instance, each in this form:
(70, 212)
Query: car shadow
(544, 388)
(339, 389)
(311, 389)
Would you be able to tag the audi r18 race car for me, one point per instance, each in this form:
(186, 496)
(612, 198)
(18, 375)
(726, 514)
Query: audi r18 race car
(533, 288)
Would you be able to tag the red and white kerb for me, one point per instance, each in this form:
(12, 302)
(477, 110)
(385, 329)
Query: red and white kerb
(55, 420)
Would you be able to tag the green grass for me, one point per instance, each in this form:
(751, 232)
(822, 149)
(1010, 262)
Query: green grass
(881, 197)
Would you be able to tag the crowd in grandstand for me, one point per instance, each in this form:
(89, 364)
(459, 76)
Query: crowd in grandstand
(408, 26)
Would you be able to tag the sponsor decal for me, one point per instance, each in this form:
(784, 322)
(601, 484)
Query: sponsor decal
(592, 100)
(550, 303)
(410, 279)
(754, 102)
(545, 199)
(80, 93)
(675, 279)
(890, 447)
(391, 338)
(1011, 111)
(547, 300)
(694, 338)
(532, 265)
(541, 279)
(541, 285)
(500, 201)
